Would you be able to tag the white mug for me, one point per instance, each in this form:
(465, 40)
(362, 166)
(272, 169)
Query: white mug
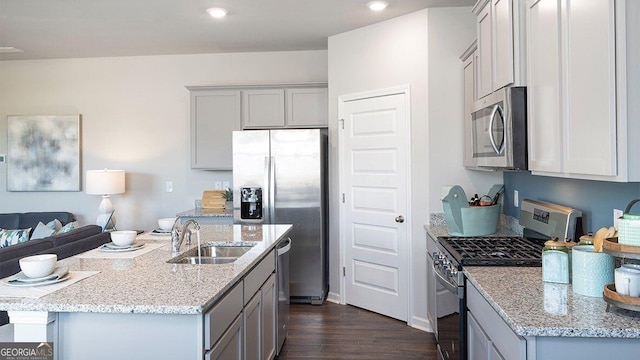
(627, 281)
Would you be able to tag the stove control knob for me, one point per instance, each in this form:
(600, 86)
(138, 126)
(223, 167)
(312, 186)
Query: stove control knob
(448, 269)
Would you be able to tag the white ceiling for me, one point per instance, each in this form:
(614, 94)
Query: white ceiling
(47, 29)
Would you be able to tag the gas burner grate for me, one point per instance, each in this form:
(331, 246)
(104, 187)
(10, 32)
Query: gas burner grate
(493, 251)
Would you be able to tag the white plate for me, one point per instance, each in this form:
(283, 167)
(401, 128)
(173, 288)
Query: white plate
(58, 272)
(111, 245)
(48, 282)
(105, 248)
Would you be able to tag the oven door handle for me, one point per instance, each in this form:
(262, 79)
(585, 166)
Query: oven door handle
(446, 283)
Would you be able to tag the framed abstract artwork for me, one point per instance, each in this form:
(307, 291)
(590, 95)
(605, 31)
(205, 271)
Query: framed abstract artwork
(43, 153)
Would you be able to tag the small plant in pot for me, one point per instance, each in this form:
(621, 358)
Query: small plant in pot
(228, 196)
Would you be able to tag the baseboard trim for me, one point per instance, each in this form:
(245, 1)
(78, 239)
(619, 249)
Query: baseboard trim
(334, 297)
(421, 324)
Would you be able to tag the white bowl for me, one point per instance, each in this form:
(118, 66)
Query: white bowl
(38, 265)
(123, 237)
(166, 223)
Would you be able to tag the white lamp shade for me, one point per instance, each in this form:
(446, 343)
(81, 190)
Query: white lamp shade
(105, 182)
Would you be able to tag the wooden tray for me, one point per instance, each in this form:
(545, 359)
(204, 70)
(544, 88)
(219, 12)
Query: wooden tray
(611, 297)
(213, 199)
(611, 246)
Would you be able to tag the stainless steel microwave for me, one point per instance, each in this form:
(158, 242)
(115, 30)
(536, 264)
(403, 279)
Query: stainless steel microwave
(499, 130)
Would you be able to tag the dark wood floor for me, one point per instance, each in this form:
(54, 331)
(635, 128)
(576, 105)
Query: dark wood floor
(333, 331)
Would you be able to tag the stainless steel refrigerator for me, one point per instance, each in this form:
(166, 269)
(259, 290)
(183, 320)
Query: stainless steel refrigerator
(280, 177)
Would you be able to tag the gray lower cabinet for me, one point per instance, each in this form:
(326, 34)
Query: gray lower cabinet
(260, 310)
(269, 321)
(480, 347)
(260, 323)
(229, 347)
(253, 327)
(488, 336)
(242, 325)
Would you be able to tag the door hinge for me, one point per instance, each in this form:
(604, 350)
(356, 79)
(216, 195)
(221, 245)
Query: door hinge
(342, 123)
(343, 198)
(344, 271)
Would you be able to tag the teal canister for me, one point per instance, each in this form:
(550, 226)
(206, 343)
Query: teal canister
(591, 270)
(556, 262)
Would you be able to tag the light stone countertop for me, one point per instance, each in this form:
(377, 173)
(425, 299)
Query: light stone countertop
(532, 307)
(148, 284)
(206, 213)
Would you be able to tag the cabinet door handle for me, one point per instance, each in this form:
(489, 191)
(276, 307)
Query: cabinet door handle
(399, 219)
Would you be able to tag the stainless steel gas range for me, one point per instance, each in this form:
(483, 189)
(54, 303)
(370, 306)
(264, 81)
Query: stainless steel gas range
(541, 221)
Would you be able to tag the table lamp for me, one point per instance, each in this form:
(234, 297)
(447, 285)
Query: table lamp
(106, 183)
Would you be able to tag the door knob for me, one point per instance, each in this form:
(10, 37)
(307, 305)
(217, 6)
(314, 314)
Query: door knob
(399, 219)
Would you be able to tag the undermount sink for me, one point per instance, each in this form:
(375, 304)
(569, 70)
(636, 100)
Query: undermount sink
(211, 254)
(204, 260)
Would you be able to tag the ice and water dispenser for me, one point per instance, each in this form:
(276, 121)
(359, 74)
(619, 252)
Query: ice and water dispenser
(251, 203)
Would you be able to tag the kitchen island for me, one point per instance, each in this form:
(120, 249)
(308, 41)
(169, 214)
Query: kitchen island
(144, 307)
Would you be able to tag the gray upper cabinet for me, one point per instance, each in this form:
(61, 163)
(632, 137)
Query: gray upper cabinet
(285, 106)
(307, 107)
(214, 115)
(217, 111)
(263, 108)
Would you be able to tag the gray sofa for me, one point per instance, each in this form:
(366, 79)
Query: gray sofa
(64, 245)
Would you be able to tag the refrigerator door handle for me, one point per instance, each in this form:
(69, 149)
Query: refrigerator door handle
(272, 190)
(266, 193)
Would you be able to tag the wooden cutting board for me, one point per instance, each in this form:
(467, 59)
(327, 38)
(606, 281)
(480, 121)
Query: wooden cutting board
(213, 199)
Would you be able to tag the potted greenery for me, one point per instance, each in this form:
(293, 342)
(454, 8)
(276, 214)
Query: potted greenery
(228, 196)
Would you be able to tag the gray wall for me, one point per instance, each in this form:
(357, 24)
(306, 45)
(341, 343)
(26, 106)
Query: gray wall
(596, 199)
(135, 117)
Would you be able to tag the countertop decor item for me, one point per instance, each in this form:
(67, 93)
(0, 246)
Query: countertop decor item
(590, 270)
(38, 265)
(213, 199)
(106, 183)
(555, 262)
(465, 220)
(629, 226)
(166, 224)
(123, 237)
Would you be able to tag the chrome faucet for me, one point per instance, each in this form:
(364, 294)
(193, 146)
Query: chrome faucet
(178, 236)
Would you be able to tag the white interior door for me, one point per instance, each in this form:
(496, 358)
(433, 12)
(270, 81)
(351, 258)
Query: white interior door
(374, 177)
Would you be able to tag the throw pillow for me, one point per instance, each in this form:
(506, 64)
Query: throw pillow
(42, 231)
(54, 224)
(70, 226)
(13, 237)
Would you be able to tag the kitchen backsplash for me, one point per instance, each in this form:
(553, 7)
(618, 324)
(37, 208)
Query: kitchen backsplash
(596, 199)
(505, 222)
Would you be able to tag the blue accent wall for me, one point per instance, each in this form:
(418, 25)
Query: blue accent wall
(596, 199)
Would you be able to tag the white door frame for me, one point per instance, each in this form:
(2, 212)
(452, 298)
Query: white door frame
(402, 89)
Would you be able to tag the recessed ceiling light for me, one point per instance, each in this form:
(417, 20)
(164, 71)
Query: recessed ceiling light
(377, 5)
(9, 49)
(217, 12)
